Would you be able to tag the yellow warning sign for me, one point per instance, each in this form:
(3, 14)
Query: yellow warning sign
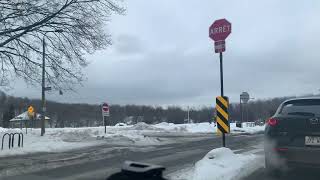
(30, 111)
(222, 105)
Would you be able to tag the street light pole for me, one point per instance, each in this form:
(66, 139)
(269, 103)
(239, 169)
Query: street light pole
(43, 103)
(43, 85)
(188, 115)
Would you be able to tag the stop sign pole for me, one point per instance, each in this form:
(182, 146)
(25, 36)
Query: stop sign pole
(105, 113)
(218, 32)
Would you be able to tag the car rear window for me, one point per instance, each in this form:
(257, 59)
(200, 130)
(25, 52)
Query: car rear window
(301, 107)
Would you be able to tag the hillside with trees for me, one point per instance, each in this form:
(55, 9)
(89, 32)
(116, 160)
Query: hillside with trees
(86, 115)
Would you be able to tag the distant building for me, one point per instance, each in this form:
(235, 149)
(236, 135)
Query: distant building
(24, 120)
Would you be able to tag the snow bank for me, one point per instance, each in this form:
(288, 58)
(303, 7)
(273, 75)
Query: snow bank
(206, 128)
(222, 163)
(53, 141)
(250, 130)
(143, 126)
(64, 139)
(141, 134)
(192, 128)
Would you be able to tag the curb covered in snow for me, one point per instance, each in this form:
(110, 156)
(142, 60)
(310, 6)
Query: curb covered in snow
(220, 163)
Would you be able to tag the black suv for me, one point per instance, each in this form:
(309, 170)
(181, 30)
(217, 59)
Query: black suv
(292, 135)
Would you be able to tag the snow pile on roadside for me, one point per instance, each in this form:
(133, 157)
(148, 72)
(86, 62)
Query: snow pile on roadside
(6, 130)
(141, 134)
(97, 133)
(143, 126)
(164, 124)
(192, 128)
(52, 141)
(72, 135)
(119, 135)
(64, 139)
(185, 173)
(205, 128)
(222, 163)
(250, 130)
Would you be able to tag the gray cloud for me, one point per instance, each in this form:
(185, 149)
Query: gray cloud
(162, 54)
(128, 44)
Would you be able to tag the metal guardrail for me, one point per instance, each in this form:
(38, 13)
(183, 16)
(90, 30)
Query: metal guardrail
(11, 140)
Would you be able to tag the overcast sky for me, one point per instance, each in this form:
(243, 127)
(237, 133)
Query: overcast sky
(161, 53)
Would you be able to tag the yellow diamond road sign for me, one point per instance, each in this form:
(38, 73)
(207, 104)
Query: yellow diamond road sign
(222, 105)
(30, 109)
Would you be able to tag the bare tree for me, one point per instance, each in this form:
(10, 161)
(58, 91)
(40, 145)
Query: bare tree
(71, 28)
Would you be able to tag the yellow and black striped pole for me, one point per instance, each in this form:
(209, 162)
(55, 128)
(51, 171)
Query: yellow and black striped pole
(222, 105)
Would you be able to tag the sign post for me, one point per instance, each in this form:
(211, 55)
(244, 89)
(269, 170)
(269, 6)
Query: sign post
(218, 32)
(244, 98)
(31, 115)
(105, 114)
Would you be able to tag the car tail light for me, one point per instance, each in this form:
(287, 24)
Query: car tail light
(272, 122)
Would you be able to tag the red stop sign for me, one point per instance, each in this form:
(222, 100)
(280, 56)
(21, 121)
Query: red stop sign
(220, 30)
(105, 107)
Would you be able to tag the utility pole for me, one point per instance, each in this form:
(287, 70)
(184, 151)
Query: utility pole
(43, 84)
(188, 115)
(241, 114)
(43, 103)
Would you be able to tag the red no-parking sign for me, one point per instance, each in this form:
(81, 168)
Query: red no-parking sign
(105, 109)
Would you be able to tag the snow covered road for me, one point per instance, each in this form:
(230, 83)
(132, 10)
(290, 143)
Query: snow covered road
(141, 134)
(100, 161)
